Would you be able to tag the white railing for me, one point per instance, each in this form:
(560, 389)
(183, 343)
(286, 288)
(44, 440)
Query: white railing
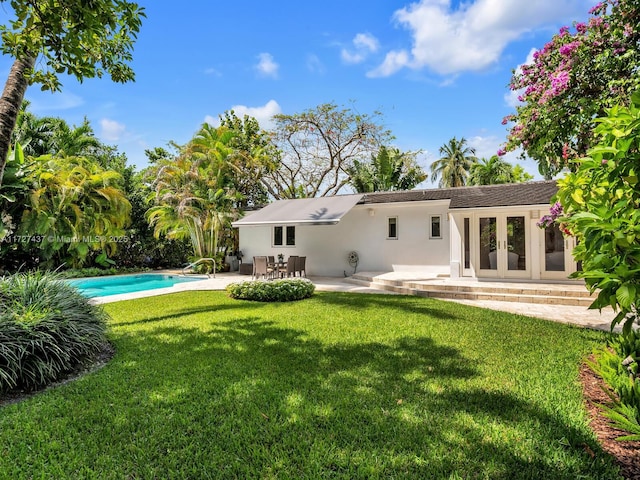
(191, 265)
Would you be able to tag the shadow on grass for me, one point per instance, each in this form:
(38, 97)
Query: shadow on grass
(400, 302)
(262, 400)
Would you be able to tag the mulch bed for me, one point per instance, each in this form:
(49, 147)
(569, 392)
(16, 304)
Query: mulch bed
(627, 454)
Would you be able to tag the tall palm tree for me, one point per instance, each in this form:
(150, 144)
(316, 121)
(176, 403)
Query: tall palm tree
(491, 172)
(454, 164)
(389, 170)
(193, 193)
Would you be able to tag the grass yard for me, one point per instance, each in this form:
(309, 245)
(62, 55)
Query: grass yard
(336, 386)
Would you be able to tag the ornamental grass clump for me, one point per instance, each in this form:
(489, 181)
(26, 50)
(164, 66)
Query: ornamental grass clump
(47, 328)
(285, 290)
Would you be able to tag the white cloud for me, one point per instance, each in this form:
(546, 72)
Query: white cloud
(263, 114)
(213, 71)
(266, 66)
(511, 97)
(111, 130)
(314, 64)
(43, 102)
(393, 62)
(472, 35)
(363, 45)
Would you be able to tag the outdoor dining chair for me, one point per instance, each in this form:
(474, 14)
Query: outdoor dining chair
(291, 266)
(301, 266)
(261, 267)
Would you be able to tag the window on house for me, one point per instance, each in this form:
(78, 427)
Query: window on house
(284, 236)
(392, 232)
(277, 236)
(436, 227)
(291, 236)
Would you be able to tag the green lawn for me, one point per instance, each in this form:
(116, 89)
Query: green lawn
(336, 386)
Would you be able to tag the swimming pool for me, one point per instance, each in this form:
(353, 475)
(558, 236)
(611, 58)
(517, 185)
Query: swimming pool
(105, 286)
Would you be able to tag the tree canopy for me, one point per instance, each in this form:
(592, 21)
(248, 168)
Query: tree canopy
(389, 170)
(496, 170)
(572, 80)
(317, 147)
(452, 168)
(75, 37)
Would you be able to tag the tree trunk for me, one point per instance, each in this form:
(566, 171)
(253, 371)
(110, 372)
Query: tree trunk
(12, 96)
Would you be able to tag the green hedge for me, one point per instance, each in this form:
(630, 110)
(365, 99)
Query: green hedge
(47, 328)
(285, 290)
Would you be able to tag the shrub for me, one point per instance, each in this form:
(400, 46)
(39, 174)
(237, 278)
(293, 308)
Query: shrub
(47, 328)
(285, 290)
(97, 272)
(617, 364)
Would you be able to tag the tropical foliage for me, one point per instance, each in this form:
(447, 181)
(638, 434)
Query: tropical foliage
(79, 38)
(318, 146)
(572, 79)
(254, 157)
(601, 203)
(74, 206)
(452, 168)
(389, 170)
(47, 328)
(496, 170)
(194, 193)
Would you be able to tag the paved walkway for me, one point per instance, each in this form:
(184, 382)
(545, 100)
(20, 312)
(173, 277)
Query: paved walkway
(580, 316)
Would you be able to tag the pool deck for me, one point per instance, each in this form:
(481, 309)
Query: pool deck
(574, 315)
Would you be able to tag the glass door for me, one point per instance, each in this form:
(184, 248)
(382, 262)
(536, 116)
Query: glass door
(556, 258)
(503, 246)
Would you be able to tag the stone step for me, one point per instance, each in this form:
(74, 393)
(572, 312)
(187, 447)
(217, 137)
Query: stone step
(575, 295)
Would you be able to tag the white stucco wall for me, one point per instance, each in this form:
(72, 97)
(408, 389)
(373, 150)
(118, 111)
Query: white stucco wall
(364, 230)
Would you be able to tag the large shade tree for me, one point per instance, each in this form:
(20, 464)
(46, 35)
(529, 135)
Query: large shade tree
(49, 38)
(318, 146)
(571, 81)
(389, 170)
(452, 168)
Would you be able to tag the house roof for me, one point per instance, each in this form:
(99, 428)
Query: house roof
(506, 195)
(329, 210)
(302, 211)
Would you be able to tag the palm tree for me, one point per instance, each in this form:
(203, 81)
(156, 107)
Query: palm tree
(454, 164)
(389, 170)
(491, 172)
(194, 194)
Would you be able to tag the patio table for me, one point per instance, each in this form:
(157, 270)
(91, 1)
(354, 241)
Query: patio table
(278, 268)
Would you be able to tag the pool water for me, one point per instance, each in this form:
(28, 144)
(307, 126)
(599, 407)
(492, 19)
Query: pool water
(105, 286)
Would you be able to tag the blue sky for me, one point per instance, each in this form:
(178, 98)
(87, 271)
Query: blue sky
(434, 68)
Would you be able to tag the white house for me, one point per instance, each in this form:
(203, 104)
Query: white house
(475, 232)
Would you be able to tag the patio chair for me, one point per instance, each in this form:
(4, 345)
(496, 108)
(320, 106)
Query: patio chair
(291, 266)
(261, 268)
(301, 266)
(271, 259)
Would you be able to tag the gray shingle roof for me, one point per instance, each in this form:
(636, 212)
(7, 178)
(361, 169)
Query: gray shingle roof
(512, 194)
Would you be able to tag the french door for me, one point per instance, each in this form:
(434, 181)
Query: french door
(503, 246)
(556, 259)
